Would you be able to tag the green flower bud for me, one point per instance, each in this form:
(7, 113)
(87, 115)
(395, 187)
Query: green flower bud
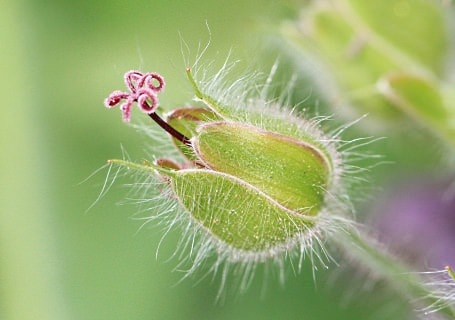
(255, 181)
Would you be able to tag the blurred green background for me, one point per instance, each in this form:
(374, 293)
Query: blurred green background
(59, 60)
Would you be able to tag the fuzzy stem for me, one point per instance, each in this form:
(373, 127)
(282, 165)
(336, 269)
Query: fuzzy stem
(384, 265)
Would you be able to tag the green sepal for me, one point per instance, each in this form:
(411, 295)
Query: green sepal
(292, 172)
(222, 111)
(235, 212)
(147, 167)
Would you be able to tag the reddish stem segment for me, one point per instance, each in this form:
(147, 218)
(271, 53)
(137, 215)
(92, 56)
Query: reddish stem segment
(169, 129)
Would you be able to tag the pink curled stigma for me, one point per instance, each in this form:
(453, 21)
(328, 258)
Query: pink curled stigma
(143, 89)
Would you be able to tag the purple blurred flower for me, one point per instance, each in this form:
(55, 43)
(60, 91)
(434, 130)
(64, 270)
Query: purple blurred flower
(417, 219)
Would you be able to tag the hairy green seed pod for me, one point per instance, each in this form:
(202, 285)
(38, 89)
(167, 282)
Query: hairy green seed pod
(255, 181)
(255, 190)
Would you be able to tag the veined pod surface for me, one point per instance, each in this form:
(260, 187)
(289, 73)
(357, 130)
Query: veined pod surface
(236, 212)
(292, 172)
